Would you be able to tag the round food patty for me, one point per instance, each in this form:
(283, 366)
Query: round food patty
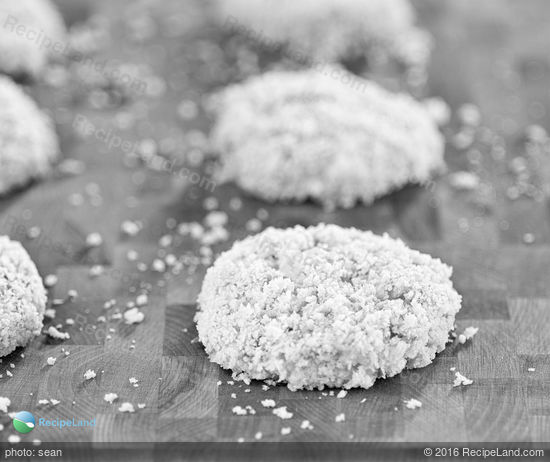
(324, 306)
(31, 31)
(331, 30)
(22, 297)
(323, 134)
(28, 142)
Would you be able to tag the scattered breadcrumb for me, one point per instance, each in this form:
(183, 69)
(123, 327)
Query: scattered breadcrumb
(133, 316)
(50, 280)
(126, 407)
(54, 402)
(89, 374)
(342, 394)
(94, 240)
(531, 369)
(51, 361)
(110, 397)
(306, 425)
(130, 228)
(96, 271)
(13, 439)
(283, 413)
(340, 418)
(268, 403)
(142, 300)
(461, 380)
(468, 333)
(413, 404)
(464, 181)
(54, 333)
(285, 431)
(238, 410)
(4, 403)
(141, 405)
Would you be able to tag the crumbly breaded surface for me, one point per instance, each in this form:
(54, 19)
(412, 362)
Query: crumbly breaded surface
(324, 306)
(22, 297)
(324, 135)
(332, 30)
(28, 141)
(31, 31)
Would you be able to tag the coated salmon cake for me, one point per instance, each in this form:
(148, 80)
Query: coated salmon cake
(320, 135)
(22, 297)
(324, 306)
(28, 141)
(332, 31)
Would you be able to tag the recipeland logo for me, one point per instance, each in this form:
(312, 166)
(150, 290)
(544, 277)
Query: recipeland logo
(24, 422)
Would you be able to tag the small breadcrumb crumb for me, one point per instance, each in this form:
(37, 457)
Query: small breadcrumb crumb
(468, 333)
(4, 403)
(126, 407)
(306, 425)
(51, 361)
(342, 394)
(54, 333)
(94, 240)
(133, 316)
(50, 280)
(340, 418)
(413, 404)
(110, 397)
(461, 380)
(283, 413)
(238, 410)
(89, 374)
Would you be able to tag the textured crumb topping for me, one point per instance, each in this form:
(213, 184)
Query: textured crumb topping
(31, 32)
(305, 135)
(28, 142)
(325, 306)
(22, 297)
(332, 30)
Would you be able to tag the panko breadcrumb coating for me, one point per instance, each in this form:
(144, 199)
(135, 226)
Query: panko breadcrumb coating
(332, 30)
(31, 31)
(28, 142)
(324, 306)
(22, 297)
(327, 136)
